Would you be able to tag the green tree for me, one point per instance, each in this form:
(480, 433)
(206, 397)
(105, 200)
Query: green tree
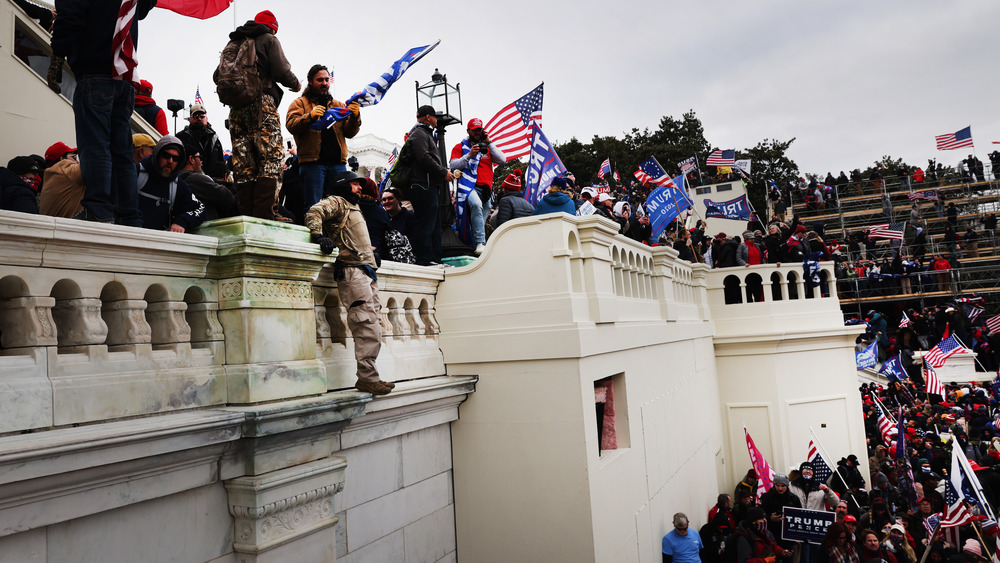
(768, 161)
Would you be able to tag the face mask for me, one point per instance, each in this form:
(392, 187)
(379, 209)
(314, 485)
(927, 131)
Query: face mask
(34, 182)
(761, 526)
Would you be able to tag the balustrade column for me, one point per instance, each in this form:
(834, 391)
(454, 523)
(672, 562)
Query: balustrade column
(27, 322)
(79, 322)
(127, 326)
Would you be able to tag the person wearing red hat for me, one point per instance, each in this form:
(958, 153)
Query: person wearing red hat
(63, 184)
(476, 156)
(146, 107)
(512, 204)
(255, 128)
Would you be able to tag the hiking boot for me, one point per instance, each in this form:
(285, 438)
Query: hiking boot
(390, 384)
(375, 388)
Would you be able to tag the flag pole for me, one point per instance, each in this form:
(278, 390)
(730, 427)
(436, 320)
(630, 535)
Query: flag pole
(819, 444)
(976, 358)
(930, 542)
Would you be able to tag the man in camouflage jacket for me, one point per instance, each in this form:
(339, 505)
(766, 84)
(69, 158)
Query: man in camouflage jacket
(336, 221)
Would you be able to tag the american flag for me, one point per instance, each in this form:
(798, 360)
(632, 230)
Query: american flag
(641, 176)
(956, 140)
(905, 321)
(392, 157)
(973, 312)
(605, 168)
(933, 381)
(616, 176)
(887, 230)
(821, 469)
(722, 158)
(931, 523)
(884, 425)
(197, 96)
(765, 475)
(930, 195)
(123, 61)
(510, 127)
(942, 351)
(655, 173)
(955, 514)
(993, 323)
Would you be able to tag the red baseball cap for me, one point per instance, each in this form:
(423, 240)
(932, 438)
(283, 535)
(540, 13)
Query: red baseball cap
(850, 518)
(475, 123)
(56, 151)
(268, 19)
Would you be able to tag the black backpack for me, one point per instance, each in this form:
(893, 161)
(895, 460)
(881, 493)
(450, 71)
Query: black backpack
(402, 170)
(237, 77)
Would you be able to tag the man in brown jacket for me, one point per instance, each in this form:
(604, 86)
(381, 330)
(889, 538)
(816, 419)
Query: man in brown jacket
(62, 188)
(258, 157)
(322, 154)
(336, 221)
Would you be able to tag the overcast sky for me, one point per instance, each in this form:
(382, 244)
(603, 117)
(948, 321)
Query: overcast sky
(850, 80)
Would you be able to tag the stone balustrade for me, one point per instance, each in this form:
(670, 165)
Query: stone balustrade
(99, 322)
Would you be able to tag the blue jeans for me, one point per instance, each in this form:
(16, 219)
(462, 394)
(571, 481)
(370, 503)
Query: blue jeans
(314, 177)
(102, 107)
(426, 239)
(478, 210)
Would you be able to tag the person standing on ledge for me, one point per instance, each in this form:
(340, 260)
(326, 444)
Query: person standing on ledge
(336, 221)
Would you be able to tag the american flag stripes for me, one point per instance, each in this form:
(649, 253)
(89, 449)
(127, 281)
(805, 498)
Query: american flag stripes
(616, 176)
(993, 323)
(655, 173)
(392, 157)
(605, 168)
(641, 176)
(887, 230)
(942, 351)
(933, 381)
(821, 469)
(123, 46)
(956, 140)
(973, 312)
(930, 195)
(905, 321)
(765, 475)
(510, 128)
(197, 96)
(955, 513)
(884, 425)
(722, 158)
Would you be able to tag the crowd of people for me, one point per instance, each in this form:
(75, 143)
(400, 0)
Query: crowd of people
(889, 514)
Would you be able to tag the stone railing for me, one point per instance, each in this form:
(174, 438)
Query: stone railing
(99, 322)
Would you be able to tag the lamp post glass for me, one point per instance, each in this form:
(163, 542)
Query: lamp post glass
(445, 98)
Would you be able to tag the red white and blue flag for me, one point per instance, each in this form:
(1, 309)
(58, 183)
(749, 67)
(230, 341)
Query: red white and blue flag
(905, 321)
(197, 96)
(510, 128)
(933, 381)
(654, 174)
(605, 168)
(884, 425)
(958, 139)
(821, 469)
(722, 158)
(993, 323)
(765, 475)
(392, 157)
(943, 350)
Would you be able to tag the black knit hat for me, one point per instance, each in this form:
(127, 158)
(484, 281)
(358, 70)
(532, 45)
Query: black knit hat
(23, 165)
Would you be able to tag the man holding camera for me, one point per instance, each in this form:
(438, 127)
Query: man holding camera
(322, 154)
(476, 155)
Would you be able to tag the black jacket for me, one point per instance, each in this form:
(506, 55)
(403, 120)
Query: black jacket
(16, 194)
(428, 170)
(219, 200)
(512, 205)
(212, 157)
(84, 29)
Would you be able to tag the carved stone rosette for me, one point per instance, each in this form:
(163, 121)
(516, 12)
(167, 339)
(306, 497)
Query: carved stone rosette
(284, 506)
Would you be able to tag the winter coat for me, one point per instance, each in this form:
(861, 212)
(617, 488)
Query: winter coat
(16, 194)
(772, 502)
(754, 547)
(158, 212)
(154, 115)
(428, 170)
(273, 67)
(84, 29)
(308, 141)
(810, 496)
(512, 205)
(207, 140)
(377, 220)
(554, 202)
(62, 190)
(219, 200)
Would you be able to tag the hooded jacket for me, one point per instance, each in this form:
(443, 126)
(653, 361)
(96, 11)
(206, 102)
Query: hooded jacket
(554, 202)
(84, 29)
(158, 211)
(154, 115)
(16, 194)
(272, 65)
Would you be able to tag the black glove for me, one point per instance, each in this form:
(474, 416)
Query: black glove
(325, 244)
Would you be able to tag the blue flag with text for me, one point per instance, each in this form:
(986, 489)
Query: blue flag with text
(543, 166)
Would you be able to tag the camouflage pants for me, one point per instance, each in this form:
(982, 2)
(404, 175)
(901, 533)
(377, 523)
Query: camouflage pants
(256, 134)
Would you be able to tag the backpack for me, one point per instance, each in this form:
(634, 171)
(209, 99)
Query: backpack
(398, 247)
(237, 77)
(402, 171)
(729, 551)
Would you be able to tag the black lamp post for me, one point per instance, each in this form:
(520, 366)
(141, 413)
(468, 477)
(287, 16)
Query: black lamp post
(446, 99)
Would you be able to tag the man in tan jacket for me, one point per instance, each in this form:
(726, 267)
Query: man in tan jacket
(336, 221)
(322, 154)
(62, 188)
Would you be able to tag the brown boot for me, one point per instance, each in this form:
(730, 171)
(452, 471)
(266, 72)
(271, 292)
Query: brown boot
(265, 198)
(375, 388)
(244, 198)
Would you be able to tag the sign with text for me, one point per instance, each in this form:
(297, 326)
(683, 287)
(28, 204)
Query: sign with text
(800, 524)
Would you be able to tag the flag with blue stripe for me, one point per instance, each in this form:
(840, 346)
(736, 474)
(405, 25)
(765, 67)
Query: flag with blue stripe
(466, 184)
(375, 91)
(868, 357)
(543, 166)
(737, 209)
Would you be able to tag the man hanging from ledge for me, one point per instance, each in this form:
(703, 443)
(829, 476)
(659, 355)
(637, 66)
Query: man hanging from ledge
(337, 221)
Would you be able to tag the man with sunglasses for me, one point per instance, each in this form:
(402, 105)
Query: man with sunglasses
(199, 132)
(166, 201)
